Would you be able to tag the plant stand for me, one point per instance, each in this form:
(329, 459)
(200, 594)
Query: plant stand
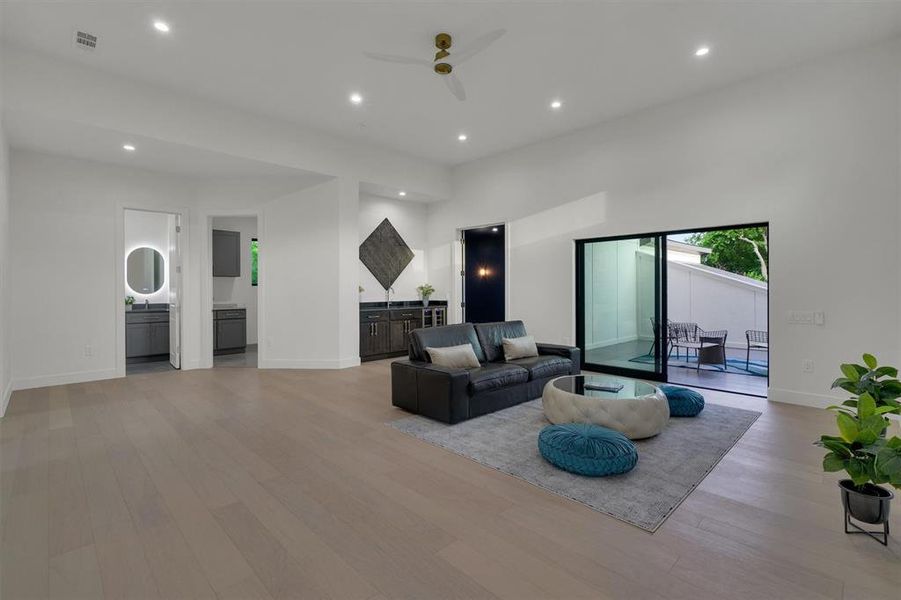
(872, 534)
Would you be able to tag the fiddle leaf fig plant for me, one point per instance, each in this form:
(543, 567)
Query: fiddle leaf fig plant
(879, 382)
(862, 449)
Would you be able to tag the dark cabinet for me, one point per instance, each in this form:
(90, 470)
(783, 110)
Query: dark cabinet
(229, 331)
(146, 335)
(226, 253)
(386, 332)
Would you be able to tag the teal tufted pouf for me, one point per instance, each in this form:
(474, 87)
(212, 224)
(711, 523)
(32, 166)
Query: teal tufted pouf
(683, 402)
(586, 449)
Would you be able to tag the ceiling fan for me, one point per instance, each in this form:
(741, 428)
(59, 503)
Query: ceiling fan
(444, 62)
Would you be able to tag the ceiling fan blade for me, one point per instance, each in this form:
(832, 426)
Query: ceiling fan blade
(404, 60)
(475, 47)
(455, 86)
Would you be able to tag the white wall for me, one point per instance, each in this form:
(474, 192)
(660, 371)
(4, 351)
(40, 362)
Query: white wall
(145, 229)
(308, 276)
(611, 293)
(813, 150)
(714, 302)
(5, 375)
(411, 221)
(239, 290)
(66, 216)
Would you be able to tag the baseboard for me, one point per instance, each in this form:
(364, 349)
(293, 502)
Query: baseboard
(63, 379)
(289, 363)
(7, 394)
(803, 398)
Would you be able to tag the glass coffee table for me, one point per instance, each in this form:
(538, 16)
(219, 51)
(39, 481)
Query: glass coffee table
(634, 408)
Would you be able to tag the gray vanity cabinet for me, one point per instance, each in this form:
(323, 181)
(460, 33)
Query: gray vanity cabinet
(226, 253)
(229, 331)
(146, 334)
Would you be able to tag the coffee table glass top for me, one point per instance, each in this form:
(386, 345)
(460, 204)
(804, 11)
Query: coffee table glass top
(631, 388)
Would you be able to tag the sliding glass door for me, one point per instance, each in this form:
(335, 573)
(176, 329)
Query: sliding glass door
(620, 283)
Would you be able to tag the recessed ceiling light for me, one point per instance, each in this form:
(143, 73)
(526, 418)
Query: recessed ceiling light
(128, 147)
(356, 98)
(494, 229)
(161, 26)
(702, 51)
(556, 104)
(462, 137)
(401, 193)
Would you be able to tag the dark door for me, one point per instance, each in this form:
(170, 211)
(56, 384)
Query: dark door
(620, 285)
(484, 277)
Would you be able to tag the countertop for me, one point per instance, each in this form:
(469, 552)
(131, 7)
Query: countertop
(154, 308)
(364, 306)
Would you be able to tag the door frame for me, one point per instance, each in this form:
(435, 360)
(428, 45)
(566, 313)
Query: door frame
(206, 288)
(184, 243)
(458, 262)
(662, 296)
(659, 308)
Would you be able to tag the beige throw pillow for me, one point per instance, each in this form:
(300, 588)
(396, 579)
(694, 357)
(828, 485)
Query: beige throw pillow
(455, 357)
(521, 347)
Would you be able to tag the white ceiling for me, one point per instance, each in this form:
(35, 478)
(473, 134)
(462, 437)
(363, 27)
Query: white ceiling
(94, 143)
(299, 61)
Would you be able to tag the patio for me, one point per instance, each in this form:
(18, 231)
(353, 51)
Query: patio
(681, 372)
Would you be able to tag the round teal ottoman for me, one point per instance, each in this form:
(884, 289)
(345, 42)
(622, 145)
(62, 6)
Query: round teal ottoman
(683, 402)
(587, 449)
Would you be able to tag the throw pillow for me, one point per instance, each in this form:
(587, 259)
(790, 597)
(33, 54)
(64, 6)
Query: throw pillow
(521, 347)
(457, 357)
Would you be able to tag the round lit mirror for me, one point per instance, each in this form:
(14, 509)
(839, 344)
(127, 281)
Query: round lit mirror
(144, 270)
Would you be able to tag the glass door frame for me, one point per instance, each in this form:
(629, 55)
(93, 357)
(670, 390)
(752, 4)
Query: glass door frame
(660, 342)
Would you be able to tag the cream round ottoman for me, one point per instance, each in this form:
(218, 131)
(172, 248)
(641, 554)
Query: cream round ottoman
(638, 410)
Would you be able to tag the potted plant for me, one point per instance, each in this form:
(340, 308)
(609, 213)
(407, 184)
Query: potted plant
(129, 302)
(425, 292)
(862, 448)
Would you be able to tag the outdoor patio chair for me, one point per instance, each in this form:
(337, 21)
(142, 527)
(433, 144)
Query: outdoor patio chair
(759, 341)
(709, 346)
(656, 331)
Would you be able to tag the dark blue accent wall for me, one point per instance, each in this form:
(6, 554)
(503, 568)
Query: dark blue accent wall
(484, 279)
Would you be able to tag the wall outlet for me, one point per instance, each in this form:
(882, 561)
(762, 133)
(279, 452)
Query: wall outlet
(88, 350)
(807, 365)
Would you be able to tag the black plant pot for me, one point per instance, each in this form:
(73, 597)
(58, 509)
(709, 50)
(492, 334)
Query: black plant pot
(867, 504)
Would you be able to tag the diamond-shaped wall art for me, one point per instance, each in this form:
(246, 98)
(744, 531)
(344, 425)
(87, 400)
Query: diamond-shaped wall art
(385, 254)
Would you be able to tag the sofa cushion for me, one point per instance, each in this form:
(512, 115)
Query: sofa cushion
(544, 366)
(521, 347)
(492, 376)
(442, 337)
(461, 357)
(491, 337)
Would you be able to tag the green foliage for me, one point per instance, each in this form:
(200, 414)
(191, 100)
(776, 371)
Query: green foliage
(425, 291)
(861, 449)
(731, 250)
(129, 300)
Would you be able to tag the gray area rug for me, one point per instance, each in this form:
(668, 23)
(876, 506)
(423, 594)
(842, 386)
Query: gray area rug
(669, 467)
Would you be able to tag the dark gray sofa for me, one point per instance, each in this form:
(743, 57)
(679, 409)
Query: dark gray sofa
(454, 395)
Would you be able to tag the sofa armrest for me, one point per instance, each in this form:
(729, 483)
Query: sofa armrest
(430, 390)
(571, 352)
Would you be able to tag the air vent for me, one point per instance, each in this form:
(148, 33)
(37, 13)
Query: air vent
(84, 40)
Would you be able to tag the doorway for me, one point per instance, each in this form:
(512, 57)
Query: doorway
(688, 307)
(234, 268)
(153, 290)
(484, 274)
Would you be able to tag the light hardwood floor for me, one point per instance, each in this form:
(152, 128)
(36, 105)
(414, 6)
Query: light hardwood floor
(239, 483)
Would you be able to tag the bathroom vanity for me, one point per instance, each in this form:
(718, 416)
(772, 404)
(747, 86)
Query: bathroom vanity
(147, 333)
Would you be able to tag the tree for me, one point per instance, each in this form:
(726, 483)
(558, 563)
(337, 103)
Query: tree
(742, 251)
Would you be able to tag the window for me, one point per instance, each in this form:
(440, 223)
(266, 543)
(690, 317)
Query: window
(254, 254)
